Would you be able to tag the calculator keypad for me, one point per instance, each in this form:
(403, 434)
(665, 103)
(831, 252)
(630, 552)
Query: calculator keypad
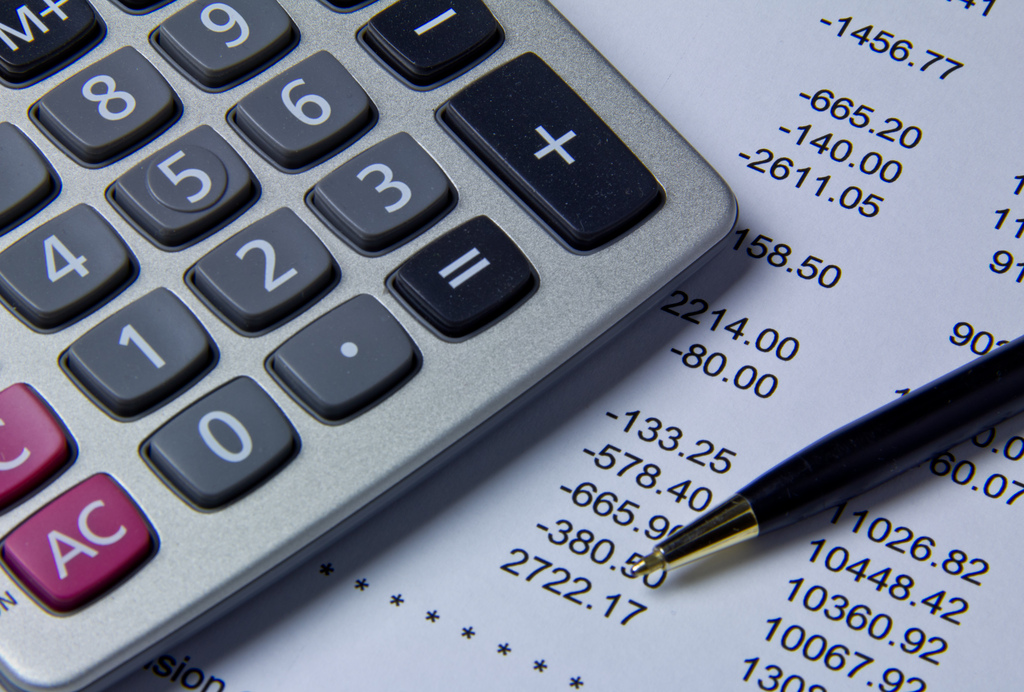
(27, 182)
(383, 196)
(38, 37)
(346, 361)
(266, 273)
(68, 266)
(429, 41)
(224, 444)
(306, 114)
(186, 190)
(32, 443)
(79, 545)
(386, 179)
(108, 109)
(557, 155)
(219, 44)
(142, 355)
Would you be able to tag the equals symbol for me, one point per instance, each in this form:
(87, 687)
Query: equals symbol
(468, 273)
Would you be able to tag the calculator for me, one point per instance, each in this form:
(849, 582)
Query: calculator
(265, 263)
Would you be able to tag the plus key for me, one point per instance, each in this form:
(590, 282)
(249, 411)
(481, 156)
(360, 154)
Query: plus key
(542, 140)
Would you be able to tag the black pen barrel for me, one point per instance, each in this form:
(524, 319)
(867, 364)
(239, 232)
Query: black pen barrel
(892, 439)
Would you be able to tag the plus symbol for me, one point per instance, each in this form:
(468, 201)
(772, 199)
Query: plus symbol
(554, 144)
(54, 8)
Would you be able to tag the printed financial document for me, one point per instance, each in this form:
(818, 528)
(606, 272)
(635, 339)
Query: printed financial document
(877, 154)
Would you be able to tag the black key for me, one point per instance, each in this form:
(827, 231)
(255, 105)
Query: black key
(27, 182)
(429, 41)
(220, 44)
(38, 37)
(346, 361)
(463, 281)
(347, 5)
(141, 356)
(266, 274)
(66, 268)
(188, 189)
(223, 445)
(384, 195)
(544, 142)
(109, 109)
(306, 114)
(140, 6)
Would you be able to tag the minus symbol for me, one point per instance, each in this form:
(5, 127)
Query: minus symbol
(826, 22)
(611, 415)
(563, 488)
(805, 96)
(785, 129)
(677, 351)
(744, 156)
(435, 22)
(542, 527)
(587, 452)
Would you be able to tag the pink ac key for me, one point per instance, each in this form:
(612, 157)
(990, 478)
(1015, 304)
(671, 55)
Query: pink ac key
(32, 443)
(79, 545)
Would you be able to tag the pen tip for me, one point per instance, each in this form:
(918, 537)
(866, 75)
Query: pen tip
(648, 565)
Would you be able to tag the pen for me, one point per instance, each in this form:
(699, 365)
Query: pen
(857, 457)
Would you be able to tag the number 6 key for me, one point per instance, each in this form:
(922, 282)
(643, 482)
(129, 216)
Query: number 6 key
(304, 115)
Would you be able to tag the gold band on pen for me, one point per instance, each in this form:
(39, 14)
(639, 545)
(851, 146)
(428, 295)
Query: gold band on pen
(730, 523)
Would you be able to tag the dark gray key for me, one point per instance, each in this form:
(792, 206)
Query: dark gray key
(429, 41)
(141, 356)
(266, 274)
(223, 445)
(66, 268)
(38, 37)
(185, 191)
(27, 182)
(384, 196)
(466, 279)
(564, 162)
(220, 44)
(346, 361)
(109, 109)
(305, 115)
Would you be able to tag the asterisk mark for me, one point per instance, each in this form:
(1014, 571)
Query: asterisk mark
(397, 600)
(326, 569)
(432, 615)
(362, 584)
(576, 682)
(540, 666)
(468, 632)
(504, 649)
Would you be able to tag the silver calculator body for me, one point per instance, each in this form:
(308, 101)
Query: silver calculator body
(204, 559)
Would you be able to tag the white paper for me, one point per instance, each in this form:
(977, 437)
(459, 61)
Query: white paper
(728, 75)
